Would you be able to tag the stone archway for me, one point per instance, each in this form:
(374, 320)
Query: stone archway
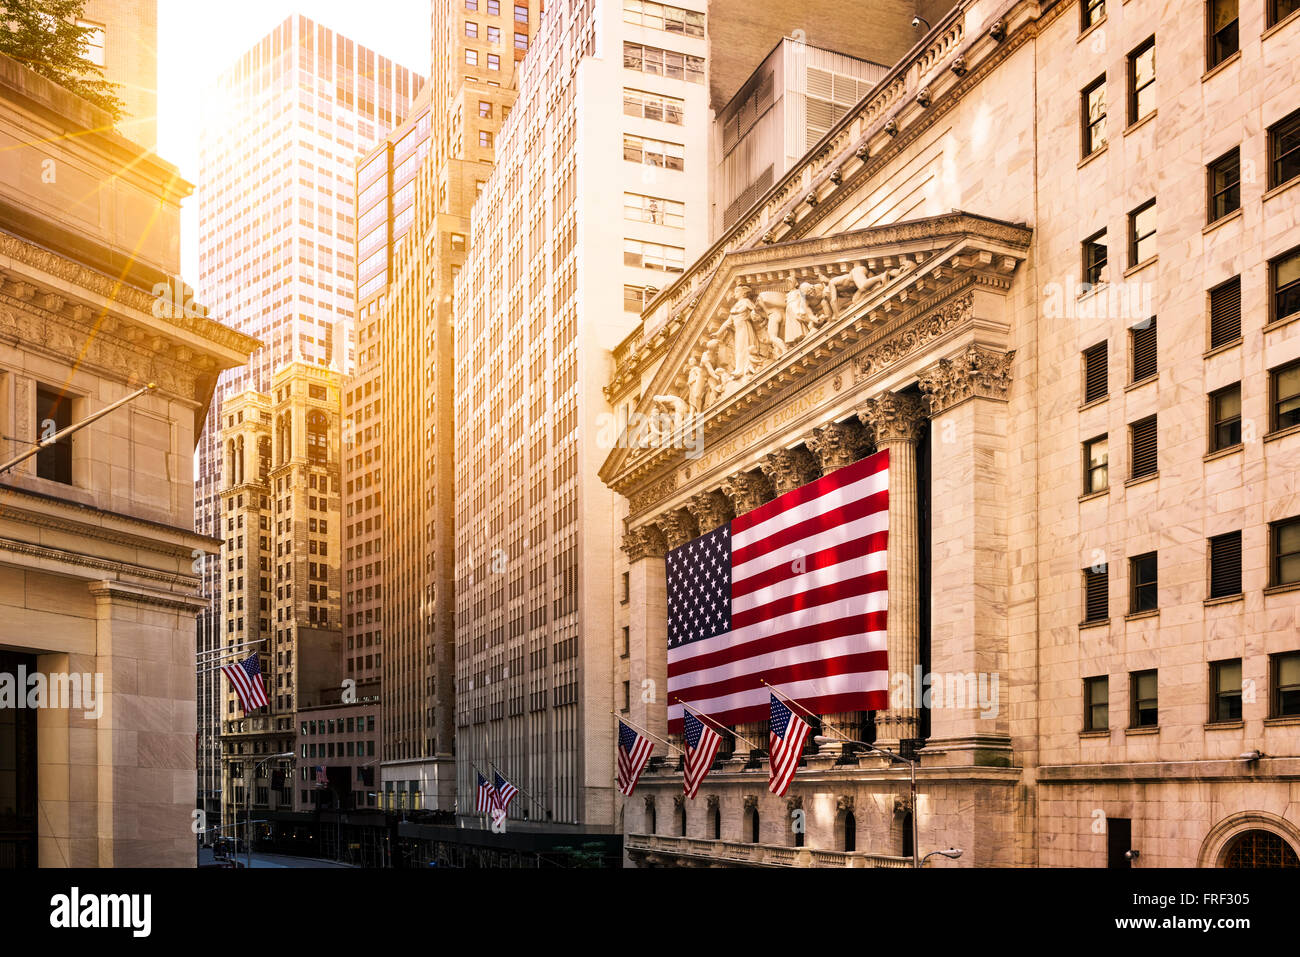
(1225, 840)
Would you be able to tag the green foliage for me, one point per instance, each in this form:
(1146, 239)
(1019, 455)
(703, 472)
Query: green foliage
(43, 35)
(592, 854)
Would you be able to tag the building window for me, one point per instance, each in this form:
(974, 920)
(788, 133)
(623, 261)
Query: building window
(654, 106)
(1284, 398)
(471, 58)
(494, 8)
(471, 4)
(94, 39)
(1225, 417)
(653, 256)
(1094, 259)
(1284, 277)
(1095, 374)
(1284, 150)
(521, 41)
(1284, 552)
(1284, 678)
(1146, 706)
(1142, 233)
(1225, 313)
(471, 29)
(1093, 11)
(657, 62)
(1096, 703)
(53, 415)
(494, 61)
(627, 587)
(627, 696)
(1225, 690)
(1142, 447)
(634, 299)
(1224, 184)
(1221, 31)
(652, 152)
(484, 110)
(1096, 476)
(1279, 10)
(1096, 594)
(1142, 81)
(521, 14)
(1094, 116)
(638, 208)
(1142, 342)
(1143, 589)
(627, 641)
(660, 16)
(494, 34)
(484, 139)
(1225, 565)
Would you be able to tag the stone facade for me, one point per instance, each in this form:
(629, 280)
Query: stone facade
(957, 339)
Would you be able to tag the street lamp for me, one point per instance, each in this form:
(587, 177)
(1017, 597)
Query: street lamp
(248, 804)
(952, 852)
(911, 766)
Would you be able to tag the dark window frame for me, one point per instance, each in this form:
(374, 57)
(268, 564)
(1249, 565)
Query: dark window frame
(54, 463)
(1275, 555)
(1219, 440)
(1218, 695)
(1091, 13)
(1144, 348)
(1134, 91)
(1224, 43)
(1276, 422)
(1134, 436)
(1090, 722)
(1089, 469)
(1094, 267)
(1222, 290)
(1279, 161)
(1278, 705)
(1143, 583)
(1217, 543)
(1096, 607)
(1096, 372)
(1136, 711)
(1225, 200)
(1275, 13)
(1135, 241)
(1291, 291)
(1094, 138)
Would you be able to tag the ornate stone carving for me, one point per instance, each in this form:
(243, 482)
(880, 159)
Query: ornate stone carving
(679, 801)
(712, 802)
(902, 804)
(649, 802)
(914, 336)
(894, 417)
(711, 510)
(845, 802)
(788, 469)
(679, 527)
(794, 803)
(923, 96)
(975, 371)
(751, 801)
(839, 444)
(747, 491)
(999, 30)
(959, 66)
(646, 541)
(648, 496)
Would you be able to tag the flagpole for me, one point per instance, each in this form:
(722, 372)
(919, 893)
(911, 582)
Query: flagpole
(717, 727)
(666, 743)
(790, 701)
(525, 793)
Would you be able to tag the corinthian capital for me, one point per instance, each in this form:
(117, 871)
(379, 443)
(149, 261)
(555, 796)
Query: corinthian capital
(839, 444)
(789, 468)
(747, 491)
(647, 541)
(975, 371)
(679, 527)
(711, 510)
(894, 417)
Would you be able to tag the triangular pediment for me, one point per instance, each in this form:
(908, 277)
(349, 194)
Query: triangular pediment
(773, 312)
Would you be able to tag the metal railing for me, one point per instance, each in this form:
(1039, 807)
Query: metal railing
(755, 855)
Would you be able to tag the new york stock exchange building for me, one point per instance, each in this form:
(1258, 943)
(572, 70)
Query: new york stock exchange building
(1052, 265)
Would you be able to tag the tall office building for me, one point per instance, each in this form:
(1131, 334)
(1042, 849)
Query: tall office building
(599, 191)
(415, 193)
(124, 43)
(282, 130)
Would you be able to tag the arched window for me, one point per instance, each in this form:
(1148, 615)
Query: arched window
(1260, 848)
(681, 820)
(717, 823)
(263, 457)
(650, 818)
(239, 461)
(317, 438)
(850, 831)
(751, 825)
(230, 463)
(284, 439)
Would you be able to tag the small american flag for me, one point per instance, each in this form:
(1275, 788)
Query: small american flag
(505, 792)
(792, 593)
(321, 777)
(246, 678)
(785, 743)
(701, 745)
(633, 752)
(487, 795)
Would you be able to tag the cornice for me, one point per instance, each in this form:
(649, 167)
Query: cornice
(62, 557)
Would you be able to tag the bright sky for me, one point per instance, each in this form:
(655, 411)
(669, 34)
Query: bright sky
(197, 41)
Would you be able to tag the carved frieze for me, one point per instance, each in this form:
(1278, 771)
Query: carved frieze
(652, 494)
(839, 444)
(914, 336)
(975, 371)
(787, 469)
(645, 541)
(748, 490)
(894, 417)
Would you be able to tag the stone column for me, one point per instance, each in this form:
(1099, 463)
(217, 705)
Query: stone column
(835, 446)
(972, 521)
(897, 420)
(645, 547)
(747, 491)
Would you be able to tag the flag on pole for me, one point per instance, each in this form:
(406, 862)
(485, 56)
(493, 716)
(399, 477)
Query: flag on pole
(793, 592)
(505, 792)
(633, 752)
(321, 777)
(785, 744)
(246, 678)
(701, 745)
(487, 795)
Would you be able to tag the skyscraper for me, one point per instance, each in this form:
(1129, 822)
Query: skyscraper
(283, 127)
(124, 43)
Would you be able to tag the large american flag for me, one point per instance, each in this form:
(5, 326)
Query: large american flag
(785, 744)
(487, 796)
(701, 746)
(792, 593)
(505, 792)
(633, 752)
(246, 678)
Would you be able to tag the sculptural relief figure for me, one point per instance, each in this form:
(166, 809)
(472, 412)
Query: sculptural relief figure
(673, 416)
(744, 349)
(697, 387)
(798, 316)
(818, 297)
(716, 378)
